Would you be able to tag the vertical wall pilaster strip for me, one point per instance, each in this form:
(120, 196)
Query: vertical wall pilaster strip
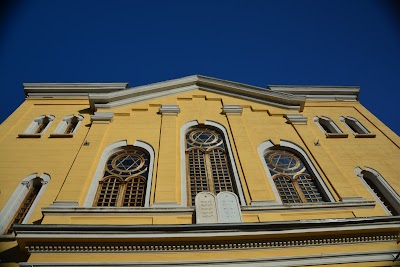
(167, 174)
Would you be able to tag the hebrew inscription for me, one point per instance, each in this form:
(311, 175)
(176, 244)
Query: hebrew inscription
(228, 208)
(206, 209)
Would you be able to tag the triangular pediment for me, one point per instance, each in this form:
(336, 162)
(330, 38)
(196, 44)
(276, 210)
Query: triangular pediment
(196, 82)
(111, 95)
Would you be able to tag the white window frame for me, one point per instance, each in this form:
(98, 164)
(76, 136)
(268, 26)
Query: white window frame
(111, 149)
(356, 124)
(235, 172)
(383, 186)
(303, 155)
(62, 126)
(12, 206)
(30, 131)
(328, 122)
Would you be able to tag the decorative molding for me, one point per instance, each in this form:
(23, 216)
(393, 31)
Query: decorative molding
(327, 93)
(169, 110)
(388, 256)
(210, 232)
(68, 208)
(54, 90)
(195, 82)
(102, 117)
(232, 110)
(272, 205)
(166, 205)
(353, 199)
(296, 119)
(64, 204)
(210, 246)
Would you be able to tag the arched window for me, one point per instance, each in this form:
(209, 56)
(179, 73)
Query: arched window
(329, 127)
(21, 204)
(380, 189)
(38, 126)
(356, 127)
(124, 179)
(292, 174)
(68, 126)
(208, 164)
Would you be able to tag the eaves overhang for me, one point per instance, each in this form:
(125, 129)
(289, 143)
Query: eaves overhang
(318, 92)
(189, 83)
(110, 95)
(51, 90)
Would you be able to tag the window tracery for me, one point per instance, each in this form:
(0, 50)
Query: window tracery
(208, 166)
(292, 179)
(124, 179)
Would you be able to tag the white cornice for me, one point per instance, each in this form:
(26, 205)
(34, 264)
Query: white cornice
(189, 83)
(45, 90)
(110, 95)
(319, 92)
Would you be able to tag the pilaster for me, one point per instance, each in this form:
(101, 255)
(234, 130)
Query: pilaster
(166, 193)
(256, 180)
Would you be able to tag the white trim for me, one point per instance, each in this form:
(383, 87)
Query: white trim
(282, 261)
(183, 130)
(383, 186)
(261, 149)
(150, 150)
(334, 128)
(108, 151)
(36, 123)
(62, 126)
(283, 143)
(14, 203)
(194, 82)
(314, 171)
(364, 131)
(98, 175)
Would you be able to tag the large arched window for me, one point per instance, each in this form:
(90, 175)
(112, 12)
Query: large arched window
(124, 179)
(208, 164)
(23, 201)
(380, 189)
(292, 174)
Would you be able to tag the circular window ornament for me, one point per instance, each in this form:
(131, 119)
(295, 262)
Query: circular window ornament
(204, 138)
(127, 162)
(284, 162)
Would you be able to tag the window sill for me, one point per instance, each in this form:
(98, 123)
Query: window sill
(310, 206)
(336, 135)
(7, 237)
(368, 135)
(29, 135)
(61, 135)
(67, 211)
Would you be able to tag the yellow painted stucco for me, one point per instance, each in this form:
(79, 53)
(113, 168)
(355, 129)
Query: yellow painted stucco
(72, 166)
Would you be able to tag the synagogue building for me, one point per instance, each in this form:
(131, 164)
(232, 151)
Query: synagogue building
(197, 171)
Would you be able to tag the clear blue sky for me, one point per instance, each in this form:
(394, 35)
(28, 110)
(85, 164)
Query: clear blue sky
(254, 42)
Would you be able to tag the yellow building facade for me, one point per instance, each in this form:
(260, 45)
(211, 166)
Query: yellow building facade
(197, 171)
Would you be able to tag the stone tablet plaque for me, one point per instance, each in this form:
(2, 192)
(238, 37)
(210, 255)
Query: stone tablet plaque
(206, 209)
(228, 208)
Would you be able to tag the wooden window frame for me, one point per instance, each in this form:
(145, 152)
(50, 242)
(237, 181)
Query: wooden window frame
(110, 171)
(208, 164)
